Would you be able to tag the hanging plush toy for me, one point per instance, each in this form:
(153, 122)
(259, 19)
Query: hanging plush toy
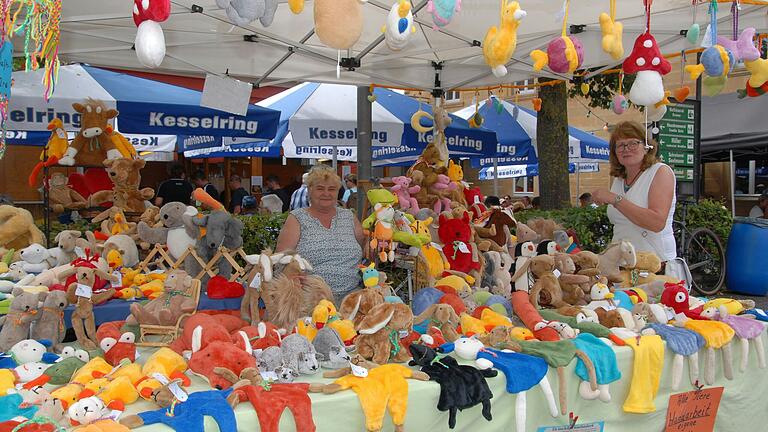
(150, 41)
(612, 31)
(242, 13)
(757, 84)
(339, 23)
(717, 61)
(500, 42)
(443, 11)
(399, 25)
(564, 53)
(620, 103)
(649, 64)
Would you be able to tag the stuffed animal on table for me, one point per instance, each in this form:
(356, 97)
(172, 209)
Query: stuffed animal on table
(522, 372)
(399, 26)
(683, 343)
(615, 256)
(176, 299)
(443, 317)
(546, 288)
(91, 147)
(323, 315)
(644, 271)
(717, 335)
(27, 351)
(50, 324)
(746, 328)
(378, 337)
(116, 345)
(260, 272)
(150, 41)
(522, 277)
(22, 314)
(356, 305)
(125, 193)
(17, 228)
(221, 229)
(299, 354)
(442, 12)
(159, 369)
(331, 350)
(188, 414)
(62, 196)
(456, 235)
(81, 294)
(461, 386)
(379, 388)
(676, 296)
(570, 282)
(500, 42)
(270, 400)
(35, 258)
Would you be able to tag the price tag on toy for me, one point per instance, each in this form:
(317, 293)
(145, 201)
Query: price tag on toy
(84, 290)
(269, 375)
(358, 371)
(115, 415)
(556, 272)
(256, 281)
(118, 283)
(178, 392)
(462, 247)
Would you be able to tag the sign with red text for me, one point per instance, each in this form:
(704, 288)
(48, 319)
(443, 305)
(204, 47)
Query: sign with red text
(693, 411)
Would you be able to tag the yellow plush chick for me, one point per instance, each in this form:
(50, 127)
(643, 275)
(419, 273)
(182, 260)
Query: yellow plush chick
(115, 393)
(152, 289)
(121, 143)
(455, 172)
(734, 307)
(521, 333)
(129, 276)
(114, 259)
(58, 143)
(305, 328)
(129, 293)
(471, 325)
(165, 362)
(500, 42)
(68, 394)
(491, 319)
(456, 282)
(325, 314)
(120, 225)
(612, 34)
(97, 366)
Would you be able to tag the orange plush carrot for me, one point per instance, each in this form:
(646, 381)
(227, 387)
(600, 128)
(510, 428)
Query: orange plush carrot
(201, 195)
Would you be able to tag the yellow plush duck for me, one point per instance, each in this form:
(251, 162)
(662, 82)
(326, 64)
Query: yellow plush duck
(612, 33)
(500, 42)
(325, 314)
(165, 362)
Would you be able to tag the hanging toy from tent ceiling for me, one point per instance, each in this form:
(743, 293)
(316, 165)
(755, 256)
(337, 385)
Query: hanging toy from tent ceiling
(620, 103)
(612, 31)
(338, 24)
(500, 42)
(150, 40)
(536, 102)
(694, 30)
(476, 120)
(564, 53)
(682, 92)
(498, 106)
(442, 12)
(648, 63)
(399, 27)
(741, 46)
(757, 84)
(296, 6)
(416, 120)
(716, 61)
(242, 13)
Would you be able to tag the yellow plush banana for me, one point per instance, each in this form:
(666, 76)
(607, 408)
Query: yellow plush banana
(416, 121)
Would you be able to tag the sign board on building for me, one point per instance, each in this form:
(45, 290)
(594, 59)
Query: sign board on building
(677, 140)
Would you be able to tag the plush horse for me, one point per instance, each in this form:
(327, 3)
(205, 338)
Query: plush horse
(616, 255)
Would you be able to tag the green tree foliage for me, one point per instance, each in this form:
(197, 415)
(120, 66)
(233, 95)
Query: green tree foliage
(602, 88)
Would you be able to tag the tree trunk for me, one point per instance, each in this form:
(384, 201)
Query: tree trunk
(552, 143)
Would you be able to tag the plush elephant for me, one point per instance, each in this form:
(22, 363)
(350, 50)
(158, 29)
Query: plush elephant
(221, 229)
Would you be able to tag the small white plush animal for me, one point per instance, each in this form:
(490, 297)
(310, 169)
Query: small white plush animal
(88, 410)
(564, 330)
(35, 258)
(285, 374)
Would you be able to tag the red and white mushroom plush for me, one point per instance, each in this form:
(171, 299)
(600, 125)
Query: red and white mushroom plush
(649, 64)
(150, 41)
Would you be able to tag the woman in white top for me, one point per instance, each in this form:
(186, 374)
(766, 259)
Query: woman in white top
(641, 200)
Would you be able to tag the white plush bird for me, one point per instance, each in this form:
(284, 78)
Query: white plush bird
(399, 27)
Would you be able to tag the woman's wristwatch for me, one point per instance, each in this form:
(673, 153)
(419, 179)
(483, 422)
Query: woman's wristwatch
(618, 199)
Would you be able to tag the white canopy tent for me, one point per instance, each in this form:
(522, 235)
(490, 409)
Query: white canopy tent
(199, 39)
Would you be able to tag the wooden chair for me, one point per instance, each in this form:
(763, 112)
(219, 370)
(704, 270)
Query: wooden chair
(159, 335)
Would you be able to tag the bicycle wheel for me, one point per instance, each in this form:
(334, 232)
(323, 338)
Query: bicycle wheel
(706, 261)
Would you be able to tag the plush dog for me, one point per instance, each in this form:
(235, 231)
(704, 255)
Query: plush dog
(35, 258)
(571, 284)
(125, 177)
(23, 312)
(18, 229)
(380, 328)
(81, 294)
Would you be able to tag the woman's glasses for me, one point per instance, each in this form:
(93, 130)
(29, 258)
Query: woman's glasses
(630, 145)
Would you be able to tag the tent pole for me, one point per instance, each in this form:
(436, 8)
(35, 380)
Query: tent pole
(578, 180)
(335, 158)
(364, 150)
(496, 176)
(732, 169)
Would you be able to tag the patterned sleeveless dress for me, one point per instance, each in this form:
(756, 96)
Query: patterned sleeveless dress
(333, 252)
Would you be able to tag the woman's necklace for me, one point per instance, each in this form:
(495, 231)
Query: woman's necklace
(628, 184)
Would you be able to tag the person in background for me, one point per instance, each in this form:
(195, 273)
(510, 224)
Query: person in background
(641, 200)
(300, 197)
(492, 201)
(237, 193)
(536, 203)
(176, 188)
(759, 210)
(526, 202)
(201, 180)
(327, 236)
(585, 200)
(350, 185)
(273, 187)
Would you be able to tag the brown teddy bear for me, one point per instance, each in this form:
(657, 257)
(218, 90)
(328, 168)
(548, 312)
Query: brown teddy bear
(18, 229)
(22, 313)
(644, 272)
(571, 284)
(379, 329)
(124, 174)
(546, 289)
(62, 196)
(587, 263)
(80, 293)
(178, 298)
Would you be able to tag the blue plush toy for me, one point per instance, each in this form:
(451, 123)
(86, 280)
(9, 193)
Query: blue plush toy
(10, 407)
(27, 351)
(188, 416)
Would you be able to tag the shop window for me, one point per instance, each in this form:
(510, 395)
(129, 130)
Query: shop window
(525, 90)
(452, 97)
(524, 186)
(751, 177)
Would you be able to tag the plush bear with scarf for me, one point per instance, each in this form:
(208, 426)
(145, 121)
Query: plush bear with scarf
(176, 299)
(461, 386)
(81, 294)
(456, 236)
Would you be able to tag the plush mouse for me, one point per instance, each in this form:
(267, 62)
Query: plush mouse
(176, 232)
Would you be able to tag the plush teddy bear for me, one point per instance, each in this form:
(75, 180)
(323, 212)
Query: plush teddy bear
(81, 294)
(61, 196)
(546, 288)
(174, 232)
(456, 235)
(403, 190)
(125, 177)
(176, 299)
(496, 275)
(23, 312)
(50, 324)
(571, 284)
(67, 242)
(35, 258)
(18, 229)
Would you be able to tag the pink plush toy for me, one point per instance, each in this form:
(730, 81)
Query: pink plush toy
(403, 190)
(442, 187)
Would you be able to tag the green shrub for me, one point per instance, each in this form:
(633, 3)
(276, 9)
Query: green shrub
(261, 231)
(595, 231)
(82, 225)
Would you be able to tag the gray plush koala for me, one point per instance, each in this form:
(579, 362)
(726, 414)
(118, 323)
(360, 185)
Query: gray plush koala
(221, 229)
(270, 359)
(177, 232)
(299, 354)
(330, 349)
(243, 12)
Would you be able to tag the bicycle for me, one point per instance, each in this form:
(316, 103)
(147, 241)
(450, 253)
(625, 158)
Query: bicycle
(703, 252)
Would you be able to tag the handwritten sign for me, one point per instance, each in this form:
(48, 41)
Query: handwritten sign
(6, 69)
(585, 427)
(693, 411)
